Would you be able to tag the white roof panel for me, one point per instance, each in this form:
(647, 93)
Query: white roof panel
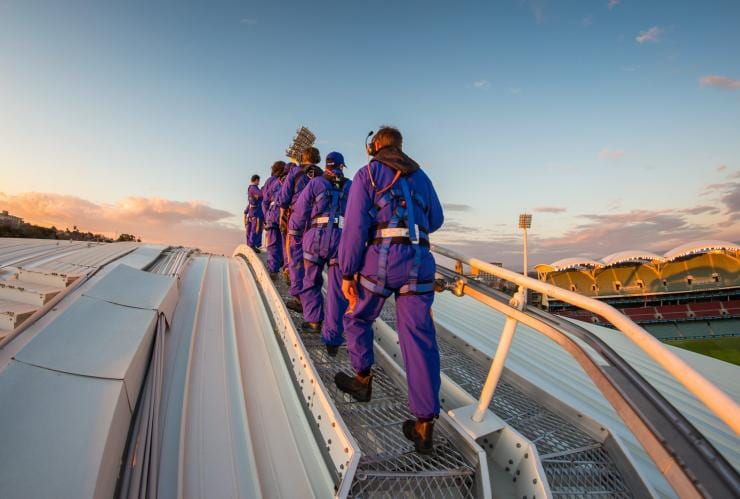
(62, 435)
(631, 256)
(127, 286)
(571, 263)
(96, 338)
(700, 247)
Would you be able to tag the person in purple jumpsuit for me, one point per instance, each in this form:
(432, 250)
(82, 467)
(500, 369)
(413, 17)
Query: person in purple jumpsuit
(283, 223)
(320, 210)
(294, 183)
(272, 219)
(254, 220)
(384, 250)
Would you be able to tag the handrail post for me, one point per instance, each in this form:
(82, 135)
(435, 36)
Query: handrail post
(499, 359)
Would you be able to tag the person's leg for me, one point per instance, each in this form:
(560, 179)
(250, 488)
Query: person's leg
(418, 342)
(284, 249)
(311, 297)
(274, 250)
(358, 329)
(248, 230)
(336, 306)
(259, 227)
(295, 265)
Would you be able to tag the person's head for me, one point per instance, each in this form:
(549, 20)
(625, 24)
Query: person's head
(387, 136)
(277, 168)
(335, 161)
(310, 156)
(255, 179)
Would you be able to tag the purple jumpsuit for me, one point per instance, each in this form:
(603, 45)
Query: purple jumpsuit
(295, 181)
(385, 244)
(255, 218)
(320, 208)
(272, 220)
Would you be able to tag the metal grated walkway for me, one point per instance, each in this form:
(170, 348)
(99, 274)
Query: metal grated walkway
(576, 465)
(389, 466)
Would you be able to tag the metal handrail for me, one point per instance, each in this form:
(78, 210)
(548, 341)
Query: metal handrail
(717, 401)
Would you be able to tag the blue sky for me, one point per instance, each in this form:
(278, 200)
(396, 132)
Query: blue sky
(592, 114)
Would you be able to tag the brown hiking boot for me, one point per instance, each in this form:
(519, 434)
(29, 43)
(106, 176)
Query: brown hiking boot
(359, 386)
(295, 305)
(421, 433)
(311, 327)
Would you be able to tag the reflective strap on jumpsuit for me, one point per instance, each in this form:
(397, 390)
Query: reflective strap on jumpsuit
(320, 245)
(412, 232)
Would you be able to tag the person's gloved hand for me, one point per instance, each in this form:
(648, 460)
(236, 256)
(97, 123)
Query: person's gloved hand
(349, 289)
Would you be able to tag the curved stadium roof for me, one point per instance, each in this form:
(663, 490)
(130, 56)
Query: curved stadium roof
(631, 256)
(702, 246)
(637, 256)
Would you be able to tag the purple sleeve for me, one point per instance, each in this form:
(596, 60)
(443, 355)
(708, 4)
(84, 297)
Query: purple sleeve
(302, 209)
(267, 194)
(436, 214)
(255, 193)
(286, 193)
(354, 234)
(343, 204)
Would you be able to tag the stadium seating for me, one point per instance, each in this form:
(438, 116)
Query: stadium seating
(707, 309)
(732, 307)
(694, 329)
(640, 314)
(726, 327)
(663, 331)
(673, 312)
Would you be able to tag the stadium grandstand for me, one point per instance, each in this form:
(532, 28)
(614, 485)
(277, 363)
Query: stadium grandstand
(691, 291)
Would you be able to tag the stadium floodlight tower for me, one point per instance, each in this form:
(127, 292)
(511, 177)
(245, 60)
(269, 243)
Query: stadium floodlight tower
(525, 222)
(303, 139)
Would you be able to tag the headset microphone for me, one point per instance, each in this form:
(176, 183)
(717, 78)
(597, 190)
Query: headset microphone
(370, 147)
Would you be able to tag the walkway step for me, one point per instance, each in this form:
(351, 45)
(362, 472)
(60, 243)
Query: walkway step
(13, 314)
(46, 277)
(27, 292)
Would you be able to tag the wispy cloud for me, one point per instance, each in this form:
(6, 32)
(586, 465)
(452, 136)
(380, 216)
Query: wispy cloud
(515, 90)
(249, 21)
(610, 154)
(456, 207)
(537, 7)
(613, 3)
(720, 81)
(550, 209)
(651, 35)
(630, 69)
(587, 21)
(721, 168)
(482, 84)
(156, 220)
(700, 210)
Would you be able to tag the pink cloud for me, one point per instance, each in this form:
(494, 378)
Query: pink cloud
(549, 209)
(155, 220)
(613, 3)
(720, 81)
(651, 35)
(606, 153)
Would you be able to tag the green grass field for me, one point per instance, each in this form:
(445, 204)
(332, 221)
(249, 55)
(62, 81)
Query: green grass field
(727, 348)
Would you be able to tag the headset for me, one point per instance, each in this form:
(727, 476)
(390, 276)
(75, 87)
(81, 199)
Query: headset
(372, 151)
(370, 147)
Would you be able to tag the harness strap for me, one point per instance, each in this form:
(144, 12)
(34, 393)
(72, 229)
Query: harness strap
(313, 258)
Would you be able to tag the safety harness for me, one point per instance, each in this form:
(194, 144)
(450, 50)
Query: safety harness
(400, 229)
(326, 222)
